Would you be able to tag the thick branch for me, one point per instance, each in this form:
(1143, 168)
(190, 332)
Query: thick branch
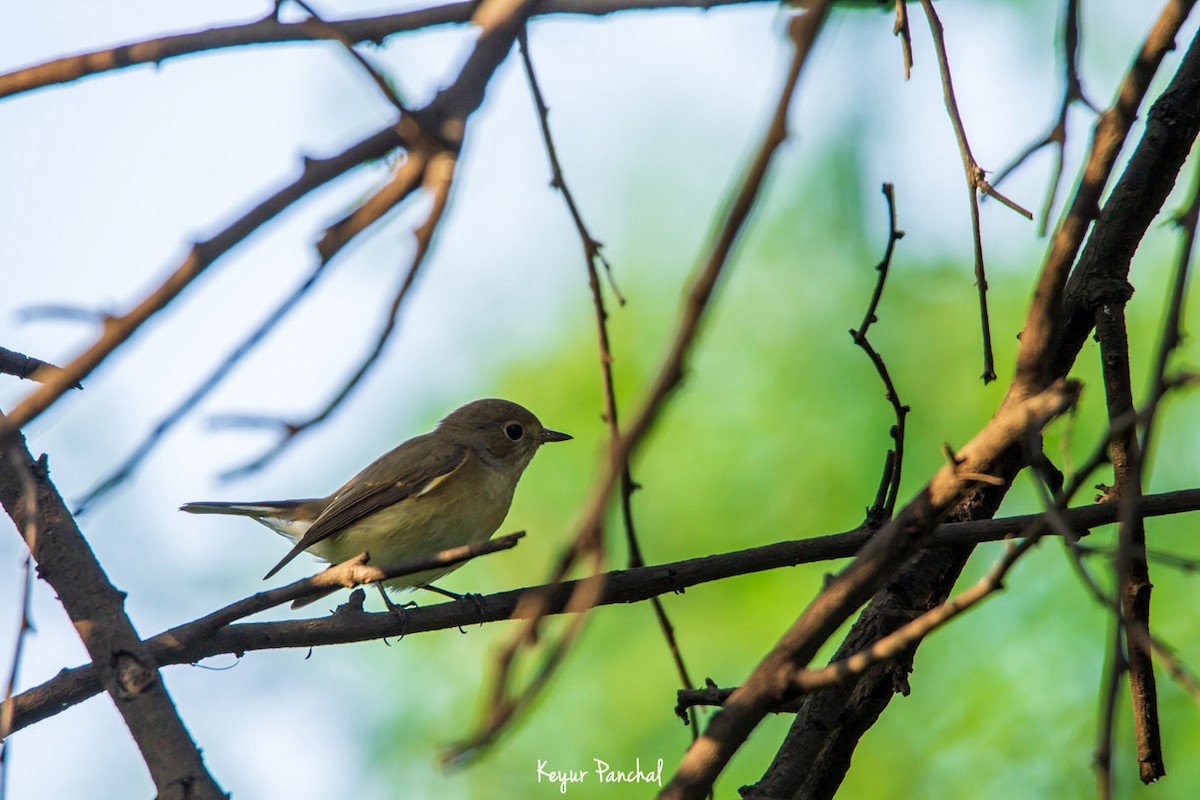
(1047, 318)
(886, 553)
(127, 670)
(833, 720)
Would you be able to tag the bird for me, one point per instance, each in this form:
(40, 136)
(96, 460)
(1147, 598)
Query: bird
(443, 489)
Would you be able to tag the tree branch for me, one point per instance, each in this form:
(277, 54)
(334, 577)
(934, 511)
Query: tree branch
(270, 30)
(127, 669)
(177, 646)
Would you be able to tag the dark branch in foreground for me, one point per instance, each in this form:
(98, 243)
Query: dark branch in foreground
(27, 367)
(127, 669)
(818, 751)
(176, 646)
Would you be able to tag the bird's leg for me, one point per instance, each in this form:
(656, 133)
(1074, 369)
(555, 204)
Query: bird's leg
(477, 599)
(398, 610)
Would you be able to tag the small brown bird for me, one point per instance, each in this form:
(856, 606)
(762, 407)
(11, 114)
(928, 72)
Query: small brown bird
(444, 489)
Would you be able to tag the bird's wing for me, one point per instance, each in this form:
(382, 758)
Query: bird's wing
(413, 469)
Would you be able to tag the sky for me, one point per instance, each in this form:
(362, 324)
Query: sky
(108, 180)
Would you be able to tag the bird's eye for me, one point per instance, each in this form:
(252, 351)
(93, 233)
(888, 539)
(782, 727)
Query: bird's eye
(514, 431)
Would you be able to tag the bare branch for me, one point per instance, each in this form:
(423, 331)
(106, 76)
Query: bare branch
(404, 181)
(118, 329)
(26, 367)
(885, 503)
(349, 574)
(270, 30)
(975, 184)
(902, 30)
(887, 551)
(621, 586)
(439, 176)
(1057, 135)
(592, 255)
(588, 536)
(127, 670)
(25, 626)
(1049, 317)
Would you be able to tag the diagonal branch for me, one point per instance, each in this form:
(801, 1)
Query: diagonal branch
(588, 538)
(404, 181)
(819, 747)
(1070, 323)
(119, 328)
(25, 627)
(439, 175)
(127, 670)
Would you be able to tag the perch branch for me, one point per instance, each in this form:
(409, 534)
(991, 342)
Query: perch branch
(72, 686)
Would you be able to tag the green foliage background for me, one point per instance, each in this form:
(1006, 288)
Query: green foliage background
(779, 432)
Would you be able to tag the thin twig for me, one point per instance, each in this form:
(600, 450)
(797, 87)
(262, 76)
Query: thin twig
(814, 758)
(1057, 520)
(1171, 335)
(895, 643)
(1057, 135)
(404, 180)
(885, 502)
(1185, 678)
(119, 328)
(976, 183)
(446, 114)
(444, 120)
(589, 533)
(1048, 317)
(592, 254)
(1185, 564)
(438, 178)
(902, 30)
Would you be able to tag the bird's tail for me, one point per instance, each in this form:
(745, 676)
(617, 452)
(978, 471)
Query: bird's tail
(288, 517)
(236, 509)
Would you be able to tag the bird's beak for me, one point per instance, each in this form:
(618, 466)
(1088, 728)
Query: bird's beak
(555, 436)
